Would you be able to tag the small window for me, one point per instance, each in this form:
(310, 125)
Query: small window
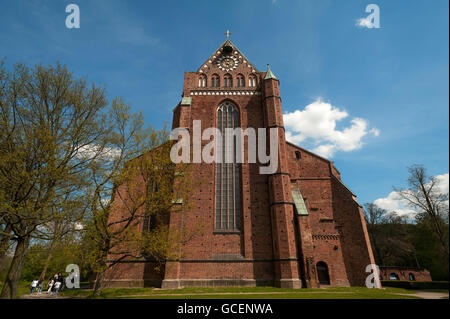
(252, 81)
(298, 155)
(152, 222)
(411, 277)
(393, 276)
(227, 81)
(215, 81)
(202, 81)
(240, 81)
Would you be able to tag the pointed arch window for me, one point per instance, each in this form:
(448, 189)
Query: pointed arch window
(202, 81)
(227, 80)
(228, 175)
(252, 81)
(240, 81)
(215, 81)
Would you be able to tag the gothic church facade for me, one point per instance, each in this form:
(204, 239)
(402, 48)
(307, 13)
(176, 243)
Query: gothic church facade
(298, 227)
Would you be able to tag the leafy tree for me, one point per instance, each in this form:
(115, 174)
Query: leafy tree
(134, 223)
(48, 121)
(64, 252)
(68, 158)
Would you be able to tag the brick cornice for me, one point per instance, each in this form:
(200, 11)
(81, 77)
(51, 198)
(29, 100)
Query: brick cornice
(281, 203)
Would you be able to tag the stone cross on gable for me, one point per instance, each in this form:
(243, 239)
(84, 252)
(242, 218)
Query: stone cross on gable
(228, 33)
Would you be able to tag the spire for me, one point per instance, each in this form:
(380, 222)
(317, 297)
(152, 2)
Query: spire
(269, 74)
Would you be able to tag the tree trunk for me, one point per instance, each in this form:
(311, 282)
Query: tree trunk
(434, 218)
(47, 261)
(98, 286)
(4, 243)
(15, 269)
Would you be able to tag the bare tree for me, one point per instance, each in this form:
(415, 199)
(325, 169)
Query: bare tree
(374, 217)
(423, 195)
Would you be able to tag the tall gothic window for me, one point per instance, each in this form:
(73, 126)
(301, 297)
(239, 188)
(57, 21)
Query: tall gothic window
(228, 177)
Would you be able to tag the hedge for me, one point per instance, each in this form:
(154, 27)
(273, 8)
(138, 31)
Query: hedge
(415, 284)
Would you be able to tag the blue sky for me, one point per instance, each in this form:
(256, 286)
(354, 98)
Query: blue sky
(394, 79)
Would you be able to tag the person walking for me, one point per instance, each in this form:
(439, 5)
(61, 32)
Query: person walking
(39, 285)
(56, 287)
(34, 284)
(50, 285)
(61, 280)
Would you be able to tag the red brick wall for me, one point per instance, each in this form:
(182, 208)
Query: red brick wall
(333, 232)
(254, 241)
(350, 223)
(403, 273)
(311, 175)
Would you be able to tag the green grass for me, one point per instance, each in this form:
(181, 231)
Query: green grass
(281, 296)
(246, 293)
(24, 288)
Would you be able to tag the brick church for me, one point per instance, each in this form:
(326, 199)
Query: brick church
(298, 227)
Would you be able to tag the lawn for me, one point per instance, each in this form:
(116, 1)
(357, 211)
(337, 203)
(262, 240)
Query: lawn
(240, 293)
(24, 288)
(247, 293)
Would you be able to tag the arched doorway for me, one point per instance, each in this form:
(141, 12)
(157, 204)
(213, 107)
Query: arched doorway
(322, 273)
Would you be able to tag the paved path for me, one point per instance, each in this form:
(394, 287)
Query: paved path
(428, 295)
(43, 295)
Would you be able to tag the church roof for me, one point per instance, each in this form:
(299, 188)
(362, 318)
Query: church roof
(299, 202)
(218, 52)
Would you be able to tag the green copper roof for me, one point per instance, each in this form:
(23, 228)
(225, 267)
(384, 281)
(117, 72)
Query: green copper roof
(299, 202)
(186, 101)
(269, 74)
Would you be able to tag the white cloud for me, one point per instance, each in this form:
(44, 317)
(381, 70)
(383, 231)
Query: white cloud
(442, 182)
(317, 123)
(393, 202)
(90, 151)
(364, 23)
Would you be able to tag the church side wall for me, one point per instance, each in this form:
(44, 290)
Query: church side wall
(311, 175)
(355, 242)
(130, 272)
